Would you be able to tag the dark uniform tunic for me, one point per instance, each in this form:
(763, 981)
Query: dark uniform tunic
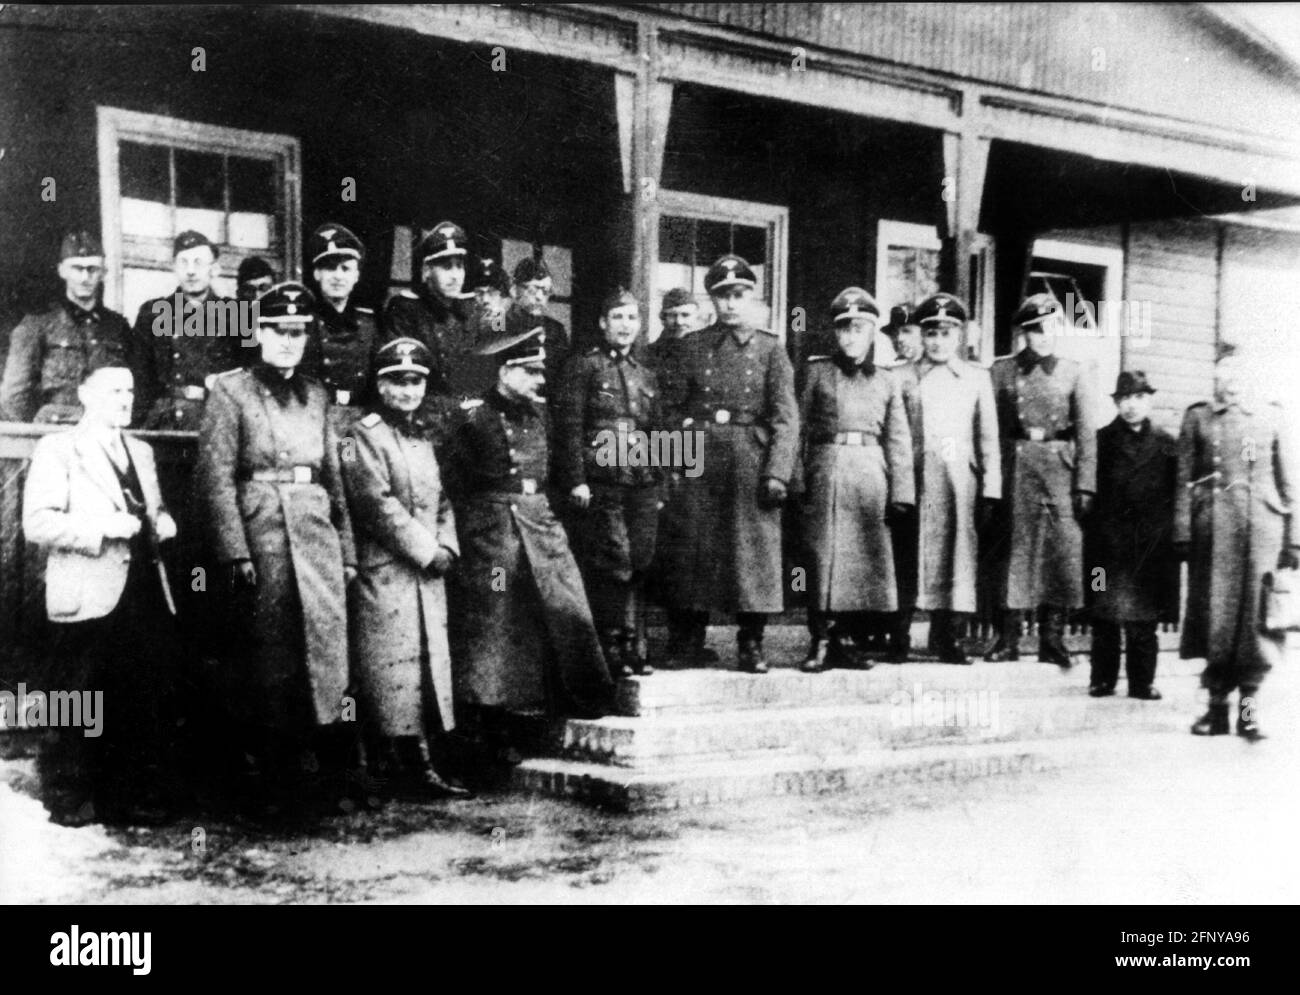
(458, 373)
(1049, 452)
(401, 517)
(173, 372)
(49, 354)
(856, 459)
(605, 394)
(525, 640)
(338, 355)
(1237, 482)
(270, 490)
(737, 387)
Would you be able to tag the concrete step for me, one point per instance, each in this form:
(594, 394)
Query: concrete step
(909, 718)
(681, 785)
(711, 689)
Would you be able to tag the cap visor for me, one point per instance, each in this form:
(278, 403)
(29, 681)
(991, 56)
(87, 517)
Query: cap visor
(409, 368)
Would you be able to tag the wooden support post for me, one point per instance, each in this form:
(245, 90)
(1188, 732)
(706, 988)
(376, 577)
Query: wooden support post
(965, 164)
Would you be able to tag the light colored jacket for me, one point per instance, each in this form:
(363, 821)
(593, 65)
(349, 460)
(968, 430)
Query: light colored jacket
(71, 502)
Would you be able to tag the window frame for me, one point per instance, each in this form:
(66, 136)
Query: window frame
(115, 124)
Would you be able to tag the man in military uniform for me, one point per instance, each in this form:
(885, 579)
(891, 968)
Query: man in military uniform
(339, 354)
(523, 639)
(176, 357)
(50, 352)
(437, 315)
(606, 393)
(1049, 469)
(954, 427)
(253, 278)
(1130, 539)
(855, 466)
(679, 314)
(734, 384)
(1234, 522)
(532, 290)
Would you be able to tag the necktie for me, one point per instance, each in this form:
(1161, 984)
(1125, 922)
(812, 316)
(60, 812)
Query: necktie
(117, 451)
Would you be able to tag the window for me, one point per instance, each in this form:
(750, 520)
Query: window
(695, 230)
(907, 272)
(160, 176)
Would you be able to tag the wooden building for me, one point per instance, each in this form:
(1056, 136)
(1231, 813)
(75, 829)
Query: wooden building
(1144, 156)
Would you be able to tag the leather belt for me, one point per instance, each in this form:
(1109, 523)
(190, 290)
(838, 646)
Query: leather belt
(1042, 435)
(286, 475)
(522, 485)
(846, 439)
(189, 392)
(722, 416)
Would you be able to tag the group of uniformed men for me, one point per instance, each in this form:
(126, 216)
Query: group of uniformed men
(394, 507)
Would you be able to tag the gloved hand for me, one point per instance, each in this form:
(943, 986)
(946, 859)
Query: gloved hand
(897, 511)
(165, 526)
(441, 562)
(121, 526)
(349, 575)
(1082, 505)
(1288, 559)
(581, 496)
(985, 511)
(1183, 550)
(241, 575)
(771, 493)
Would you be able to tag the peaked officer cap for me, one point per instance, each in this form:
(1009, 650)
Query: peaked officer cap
(334, 240)
(854, 302)
(446, 239)
(405, 355)
(286, 302)
(1035, 308)
(940, 309)
(729, 271)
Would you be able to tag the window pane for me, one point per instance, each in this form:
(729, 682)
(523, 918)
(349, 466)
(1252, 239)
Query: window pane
(750, 244)
(676, 236)
(252, 185)
(145, 172)
(200, 180)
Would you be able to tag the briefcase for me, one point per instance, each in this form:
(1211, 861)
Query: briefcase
(1282, 601)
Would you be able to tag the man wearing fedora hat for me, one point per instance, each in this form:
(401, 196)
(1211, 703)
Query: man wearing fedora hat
(1131, 565)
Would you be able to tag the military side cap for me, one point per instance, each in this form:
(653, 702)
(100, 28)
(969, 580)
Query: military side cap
(940, 309)
(854, 302)
(677, 297)
(1132, 382)
(190, 240)
(446, 239)
(1036, 308)
(489, 274)
(528, 269)
(729, 271)
(286, 302)
(80, 243)
(519, 349)
(405, 355)
(253, 268)
(334, 240)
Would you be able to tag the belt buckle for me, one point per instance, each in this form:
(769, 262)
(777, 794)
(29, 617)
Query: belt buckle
(194, 393)
(302, 475)
(529, 485)
(853, 438)
(1037, 434)
(722, 416)
(343, 397)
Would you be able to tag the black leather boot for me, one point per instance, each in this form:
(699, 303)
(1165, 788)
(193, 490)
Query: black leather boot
(900, 636)
(943, 640)
(632, 659)
(750, 654)
(611, 644)
(1215, 721)
(1248, 715)
(1051, 638)
(815, 662)
(1007, 645)
(700, 653)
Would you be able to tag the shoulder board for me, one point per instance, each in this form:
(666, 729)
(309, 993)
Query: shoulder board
(232, 372)
(1198, 404)
(469, 404)
(816, 359)
(408, 294)
(595, 350)
(371, 420)
(365, 310)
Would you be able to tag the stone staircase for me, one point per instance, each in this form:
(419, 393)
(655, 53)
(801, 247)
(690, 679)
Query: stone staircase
(711, 735)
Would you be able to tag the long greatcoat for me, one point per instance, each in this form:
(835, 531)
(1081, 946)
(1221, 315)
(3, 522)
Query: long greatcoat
(737, 388)
(849, 487)
(1237, 480)
(297, 535)
(524, 638)
(954, 425)
(400, 518)
(1049, 452)
(1130, 534)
